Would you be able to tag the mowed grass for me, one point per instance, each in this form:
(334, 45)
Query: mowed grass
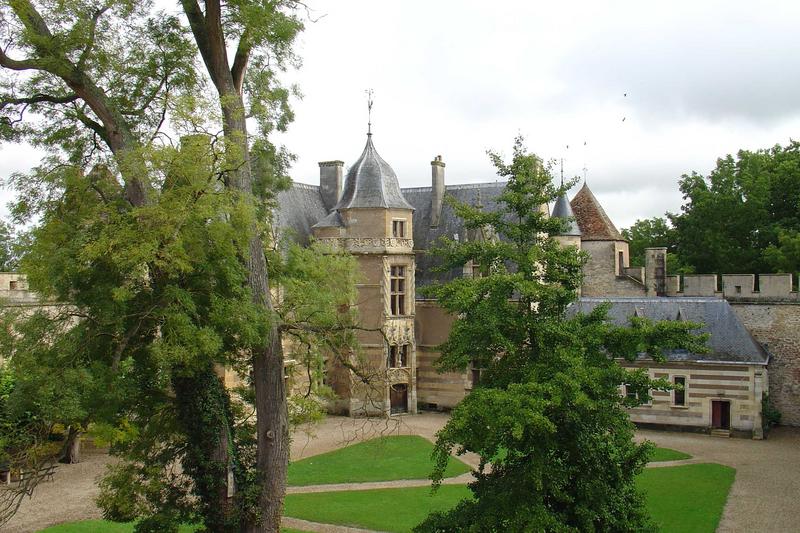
(688, 498)
(381, 459)
(667, 454)
(104, 526)
(382, 509)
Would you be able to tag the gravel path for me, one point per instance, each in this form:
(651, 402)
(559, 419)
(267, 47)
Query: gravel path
(763, 498)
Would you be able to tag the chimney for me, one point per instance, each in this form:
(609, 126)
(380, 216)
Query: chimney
(437, 192)
(330, 182)
(655, 271)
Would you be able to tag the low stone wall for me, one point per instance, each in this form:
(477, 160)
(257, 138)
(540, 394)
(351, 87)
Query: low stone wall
(765, 287)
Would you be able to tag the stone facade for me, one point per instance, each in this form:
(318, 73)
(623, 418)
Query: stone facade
(741, 386)
(777, 327)
(363, 223)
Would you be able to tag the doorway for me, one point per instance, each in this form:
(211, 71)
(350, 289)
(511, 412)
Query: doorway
(398, 398)
(720, 414)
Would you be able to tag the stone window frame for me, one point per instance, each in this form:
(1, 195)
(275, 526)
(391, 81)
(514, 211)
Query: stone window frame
(398, 290)
(403, 350)
(672, 403)
(402, 224)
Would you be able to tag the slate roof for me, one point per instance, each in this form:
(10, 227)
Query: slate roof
(299, 208)
(371, 182)
(592, 219)
(425, 235)
(562, 209)
(730, 341)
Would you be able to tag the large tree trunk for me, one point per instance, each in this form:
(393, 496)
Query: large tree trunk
(72, 447)
(272, 425)
(272, 455)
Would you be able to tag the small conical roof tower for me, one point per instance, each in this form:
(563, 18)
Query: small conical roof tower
(562, 210)
(371, 182)
(592, 220)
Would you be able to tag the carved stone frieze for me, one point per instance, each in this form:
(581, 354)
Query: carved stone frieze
(368, 244)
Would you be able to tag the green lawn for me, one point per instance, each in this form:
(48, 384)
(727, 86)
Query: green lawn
(382, 459)
(686, 498)
(382, 509)
(666, 454)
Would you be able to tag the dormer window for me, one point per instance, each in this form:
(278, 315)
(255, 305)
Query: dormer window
(397, 292)
(399, 228)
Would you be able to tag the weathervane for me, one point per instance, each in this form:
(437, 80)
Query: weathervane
(584, 163)
(369, 92)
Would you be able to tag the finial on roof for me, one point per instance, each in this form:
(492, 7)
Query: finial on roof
(370, 101)
(584, 163)
(562, 170)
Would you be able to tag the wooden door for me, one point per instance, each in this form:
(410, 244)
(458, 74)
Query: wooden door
(398, 398)
(720, 414)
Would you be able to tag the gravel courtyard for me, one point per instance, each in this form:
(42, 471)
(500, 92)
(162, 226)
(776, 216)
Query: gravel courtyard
(763, 497)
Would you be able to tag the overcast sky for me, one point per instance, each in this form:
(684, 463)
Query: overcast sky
(456, 78)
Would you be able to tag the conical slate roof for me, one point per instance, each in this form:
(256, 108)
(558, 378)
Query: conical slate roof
(563, 210)
(371, 182)
(592, 219)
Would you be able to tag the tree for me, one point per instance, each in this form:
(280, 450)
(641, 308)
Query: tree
(649, 233)
(158, 247)
(8, 258)
(255, 24)
(731, 217)
(548, 414)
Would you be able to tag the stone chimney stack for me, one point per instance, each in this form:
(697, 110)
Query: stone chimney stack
(655, 271)
(437, 194)
(330, 182)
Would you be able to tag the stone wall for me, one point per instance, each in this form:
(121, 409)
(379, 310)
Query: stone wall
(777, 327)
(436, 390)
(600, 271)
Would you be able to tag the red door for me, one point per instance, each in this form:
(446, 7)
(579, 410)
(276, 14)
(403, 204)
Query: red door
(398, 398)
(720, 414)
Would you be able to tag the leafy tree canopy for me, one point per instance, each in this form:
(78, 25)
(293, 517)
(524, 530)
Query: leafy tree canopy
(548, 414)
(744, 216)
(651, 233)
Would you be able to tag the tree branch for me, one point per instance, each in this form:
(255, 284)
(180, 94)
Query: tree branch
(19, 64)
(38, 98)
(240, 61)
(92, 32)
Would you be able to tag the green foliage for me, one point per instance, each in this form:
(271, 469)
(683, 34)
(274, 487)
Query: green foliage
(389, 458)
(550, 395)
(8, 253)
(742, 217)
(771, 415)
(650, 233)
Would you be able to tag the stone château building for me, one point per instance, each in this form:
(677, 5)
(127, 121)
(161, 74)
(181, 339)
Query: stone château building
(389, 229)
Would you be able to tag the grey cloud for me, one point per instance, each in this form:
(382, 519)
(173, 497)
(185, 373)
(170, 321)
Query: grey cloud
(719, 69)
